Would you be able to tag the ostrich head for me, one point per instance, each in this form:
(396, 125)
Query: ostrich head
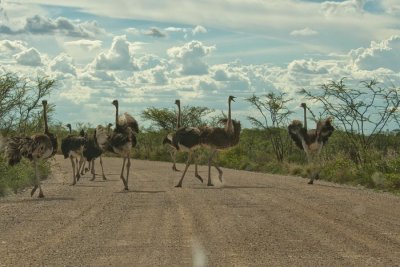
(303, 105)
(44, 102)
(231, 98)
(177, 102)
(109, 125)
(115, 102)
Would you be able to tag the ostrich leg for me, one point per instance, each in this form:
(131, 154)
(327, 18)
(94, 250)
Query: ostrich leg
(186, 168)
(37, 182)
(73, 171)
(122, 173)
(102, 170)
(209, 183)
(172, 152)
(128, 166)
(91, 164)
(196, 173)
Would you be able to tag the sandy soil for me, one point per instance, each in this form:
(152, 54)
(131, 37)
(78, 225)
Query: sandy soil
(252, 219)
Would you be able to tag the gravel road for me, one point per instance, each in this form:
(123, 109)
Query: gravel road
(252, 219)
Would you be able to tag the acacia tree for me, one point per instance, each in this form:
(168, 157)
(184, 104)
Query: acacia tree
(275, 115)
(165, 119)
(362, 113)
(20, 102)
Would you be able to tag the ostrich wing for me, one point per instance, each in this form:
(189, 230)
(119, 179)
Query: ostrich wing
(127, 119)
(102, 137)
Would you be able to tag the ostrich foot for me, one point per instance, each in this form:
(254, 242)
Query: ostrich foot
(94, 177)
(78, 177)
(41, 195)
(178, 185)
(86, 170)
(311, 182)
(126, 188)
(210, 184)
(199, 177)
(33, 190)
(175, 169)
(104, 177)
(220, 177)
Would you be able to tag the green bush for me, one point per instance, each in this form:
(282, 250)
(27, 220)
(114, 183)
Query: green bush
(20, 176)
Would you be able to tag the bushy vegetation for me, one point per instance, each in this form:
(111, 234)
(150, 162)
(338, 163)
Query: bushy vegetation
(360, 152)
(15, 178)
(21, 114)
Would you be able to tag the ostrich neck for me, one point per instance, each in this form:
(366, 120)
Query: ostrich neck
(70, 131)
(116, 115)
(305, 118)
(178, 123)
(229, 125)
(46, 127)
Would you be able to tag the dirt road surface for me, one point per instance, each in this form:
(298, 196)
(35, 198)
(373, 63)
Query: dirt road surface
(252, 219)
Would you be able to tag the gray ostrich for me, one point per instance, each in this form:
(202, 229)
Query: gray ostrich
(311, 141)
(35, 148)
(120, 140)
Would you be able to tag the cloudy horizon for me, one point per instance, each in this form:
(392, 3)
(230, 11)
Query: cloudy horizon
(150, 54)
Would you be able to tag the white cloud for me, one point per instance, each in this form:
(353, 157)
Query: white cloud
(199, 29)
(85, 45)
(150, 61)
(12, 46)
(306, 67)
(175, 29)
(41, 25)
(391, 6)
(191, 57)
(118, 57)
(133, 31)
(384, 54)
(304, 32)
(331, 8)
(29, 57)
(154, 32)
(63, 63)
(77, 93)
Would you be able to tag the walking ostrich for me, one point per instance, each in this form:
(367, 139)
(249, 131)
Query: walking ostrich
(35, 148)
(91, 151)
(120, 140)
(186, 139)
(72, 147)
(220, 138)
(174, 148)
(311, 141)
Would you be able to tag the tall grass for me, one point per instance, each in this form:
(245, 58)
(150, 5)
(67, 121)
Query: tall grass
(15, 178)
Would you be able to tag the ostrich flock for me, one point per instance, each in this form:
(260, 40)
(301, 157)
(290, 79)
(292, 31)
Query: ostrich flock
(119, 140)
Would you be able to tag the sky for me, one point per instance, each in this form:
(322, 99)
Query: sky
(147, 53)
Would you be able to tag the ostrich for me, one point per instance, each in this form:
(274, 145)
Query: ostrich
(174, 148)
(35, 148)
(72, 147)
(311, 141)
(95, 146)
(120, 140)
(186, 139)
(91, 151)
(220, 138)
